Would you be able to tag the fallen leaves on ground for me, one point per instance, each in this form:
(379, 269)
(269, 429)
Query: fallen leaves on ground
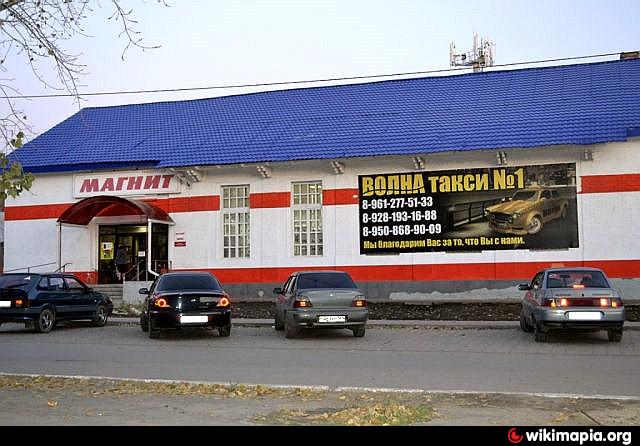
(379, 414)
(98, 387)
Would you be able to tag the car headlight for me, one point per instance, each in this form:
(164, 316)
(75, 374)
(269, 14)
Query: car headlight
(515, 215)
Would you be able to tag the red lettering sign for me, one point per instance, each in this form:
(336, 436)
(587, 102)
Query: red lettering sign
(126, 184)
(90, 185)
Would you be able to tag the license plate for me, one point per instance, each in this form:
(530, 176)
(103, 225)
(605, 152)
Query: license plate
(332, 318)
(207, 299)
(585, 315)
(193, 319)
(5, 303)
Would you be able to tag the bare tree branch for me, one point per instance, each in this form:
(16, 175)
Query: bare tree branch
(37, 31)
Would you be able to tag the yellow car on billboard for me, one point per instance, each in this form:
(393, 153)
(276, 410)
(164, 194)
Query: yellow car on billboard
(527, 211)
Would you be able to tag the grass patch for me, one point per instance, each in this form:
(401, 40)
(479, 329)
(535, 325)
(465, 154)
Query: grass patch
(125, 309)
(131, 387)
(379, 414)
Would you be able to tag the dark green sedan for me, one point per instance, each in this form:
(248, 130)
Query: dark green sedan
(320, 299)
(41, 300)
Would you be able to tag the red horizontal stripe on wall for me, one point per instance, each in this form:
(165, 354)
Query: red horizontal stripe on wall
(35, 212)
(179, 204)
(594, 184)
(270, 200)
(464, 271)
(188, 204)
(90, 277)
(591, 184)
(331, 197)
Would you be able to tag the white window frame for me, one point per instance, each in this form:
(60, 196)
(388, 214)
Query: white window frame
(235, 203)
(306, 210)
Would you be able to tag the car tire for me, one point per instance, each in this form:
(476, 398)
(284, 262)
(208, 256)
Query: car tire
(524, 326)
(46, 320)
(225, 331)
(289, 331)
(144, 325)
(535, 225)
(359, 331)
(278, 325)
(539, 335)
(614, 335)
(101, 315)
(564, 213)
(153, 332)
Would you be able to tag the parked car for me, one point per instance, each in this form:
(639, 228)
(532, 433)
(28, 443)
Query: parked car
(185, 299)
(320, 299)
(42, 300)
(527, 211)
(571, 298)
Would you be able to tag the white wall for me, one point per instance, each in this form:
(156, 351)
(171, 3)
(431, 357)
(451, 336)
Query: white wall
(608, 222)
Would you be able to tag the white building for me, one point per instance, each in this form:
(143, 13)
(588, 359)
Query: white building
(253, 187)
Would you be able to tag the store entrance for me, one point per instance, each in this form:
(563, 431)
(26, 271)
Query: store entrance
(123, 252)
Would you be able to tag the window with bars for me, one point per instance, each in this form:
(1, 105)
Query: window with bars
(307, 218)
(236, 235)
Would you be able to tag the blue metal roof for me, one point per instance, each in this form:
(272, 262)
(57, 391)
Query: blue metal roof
(571, 104)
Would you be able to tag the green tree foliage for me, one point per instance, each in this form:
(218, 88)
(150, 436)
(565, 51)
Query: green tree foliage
(13, 179)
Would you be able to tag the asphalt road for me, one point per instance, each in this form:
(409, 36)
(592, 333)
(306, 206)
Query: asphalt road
(430, 359)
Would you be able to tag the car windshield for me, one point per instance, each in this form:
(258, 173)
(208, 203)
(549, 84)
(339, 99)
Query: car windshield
(20, 281)
(524, 195)
(576, 279)
(189, 282)
(325, 280)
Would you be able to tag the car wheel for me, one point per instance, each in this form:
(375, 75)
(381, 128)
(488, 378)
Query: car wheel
(225, 331)
(153, 331)
(289, 331)
(564, 213)
(535, 225)
(101, 315)
(614, 335)
(278, 325)
(359, 331)
(523, 323)
(539, 335)
(45, 321)
(144, 325)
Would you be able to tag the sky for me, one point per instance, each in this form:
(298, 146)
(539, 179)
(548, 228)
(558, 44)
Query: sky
(230, 42)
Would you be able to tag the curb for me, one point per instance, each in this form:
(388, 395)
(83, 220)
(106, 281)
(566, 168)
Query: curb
(326, 388)
(478, 325)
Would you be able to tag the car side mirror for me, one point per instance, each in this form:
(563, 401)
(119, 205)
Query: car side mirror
(277, 291)
(524, 287)
(88, 290)
(143, 291)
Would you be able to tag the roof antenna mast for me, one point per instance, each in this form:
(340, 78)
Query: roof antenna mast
(483, 55)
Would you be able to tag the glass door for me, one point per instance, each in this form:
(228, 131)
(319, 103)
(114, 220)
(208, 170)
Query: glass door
(123, 252)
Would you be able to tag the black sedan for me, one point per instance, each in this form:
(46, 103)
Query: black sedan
(42, 300)
(185, 299)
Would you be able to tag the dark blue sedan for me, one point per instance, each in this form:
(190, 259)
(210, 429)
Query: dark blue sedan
(44, 299)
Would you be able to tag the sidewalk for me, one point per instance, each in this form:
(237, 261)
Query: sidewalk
(382, 323)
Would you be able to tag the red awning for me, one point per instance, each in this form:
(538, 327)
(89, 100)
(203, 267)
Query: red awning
(84, 211)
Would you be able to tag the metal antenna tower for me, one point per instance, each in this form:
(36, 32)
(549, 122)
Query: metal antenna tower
(481, 56)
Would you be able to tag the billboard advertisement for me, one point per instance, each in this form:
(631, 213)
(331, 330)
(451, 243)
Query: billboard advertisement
(519, 207)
